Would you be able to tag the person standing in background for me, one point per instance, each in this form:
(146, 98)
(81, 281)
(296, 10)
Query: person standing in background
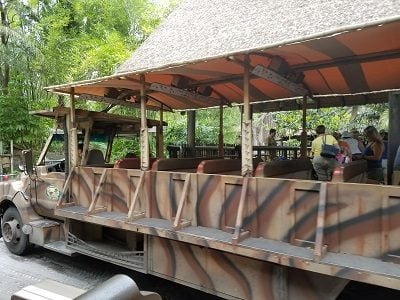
(271, 142)
(373, 155)
(323, 166)
(384, 136)
(356, 152)
(344, 154)
(356, 135)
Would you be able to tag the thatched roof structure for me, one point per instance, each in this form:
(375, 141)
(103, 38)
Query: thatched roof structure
(343, 48)
(208, 29)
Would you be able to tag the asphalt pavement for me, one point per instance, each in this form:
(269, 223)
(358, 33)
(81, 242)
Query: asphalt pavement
(17, 272)
(81, 271)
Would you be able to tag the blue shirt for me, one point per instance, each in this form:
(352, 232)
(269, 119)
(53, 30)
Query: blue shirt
(372, 164)
(385, 151)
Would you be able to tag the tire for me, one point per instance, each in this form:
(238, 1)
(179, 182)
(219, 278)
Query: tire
(17, 243)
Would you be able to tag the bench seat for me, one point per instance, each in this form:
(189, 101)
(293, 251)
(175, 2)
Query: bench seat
(187, 165)
(290, 169)
(355, 171)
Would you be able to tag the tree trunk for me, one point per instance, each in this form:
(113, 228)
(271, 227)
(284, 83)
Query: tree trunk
(5, 68)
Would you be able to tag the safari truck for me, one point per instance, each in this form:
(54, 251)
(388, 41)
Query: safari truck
(236, 228)
(276, 234)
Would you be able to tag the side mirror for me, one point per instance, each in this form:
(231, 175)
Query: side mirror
(27, 161)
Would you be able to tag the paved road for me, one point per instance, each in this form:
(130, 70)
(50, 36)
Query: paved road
(83, 272)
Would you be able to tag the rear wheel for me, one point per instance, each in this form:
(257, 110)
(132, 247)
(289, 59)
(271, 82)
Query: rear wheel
(11, 228)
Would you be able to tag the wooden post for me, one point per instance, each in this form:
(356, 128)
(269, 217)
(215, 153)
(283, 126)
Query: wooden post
(247, 140)
(144, 134)
(393, 132)
(73, 138)
(191, 131)
(303, 139)
(221, 131)
(160, 135)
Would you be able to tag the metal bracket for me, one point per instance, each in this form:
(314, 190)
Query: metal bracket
(65, 190)
(92, 207)
(132, 214)
(162, 88)
(274, 77)
(239, 234)
(178, 222)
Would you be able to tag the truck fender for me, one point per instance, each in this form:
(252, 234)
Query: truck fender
(23, 205)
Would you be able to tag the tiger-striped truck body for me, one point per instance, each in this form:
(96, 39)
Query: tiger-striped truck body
(244, 238)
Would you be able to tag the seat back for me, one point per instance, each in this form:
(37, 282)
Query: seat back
(177, 164)
(95, 157)
(291, 169)
(355, 171)
(128, 163)
(220, 166)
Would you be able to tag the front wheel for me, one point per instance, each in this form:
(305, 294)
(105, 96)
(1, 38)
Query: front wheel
(16, 241)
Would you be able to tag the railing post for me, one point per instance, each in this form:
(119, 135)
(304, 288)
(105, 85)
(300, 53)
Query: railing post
(247, 140)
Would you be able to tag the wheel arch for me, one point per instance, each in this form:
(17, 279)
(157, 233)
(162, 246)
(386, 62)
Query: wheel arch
(4, 205)
(24, 207)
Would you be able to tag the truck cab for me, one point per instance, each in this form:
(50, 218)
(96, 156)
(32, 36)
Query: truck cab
(28, 202)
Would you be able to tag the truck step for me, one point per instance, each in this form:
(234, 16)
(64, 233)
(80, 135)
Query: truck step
(42, 232)
(60, 247)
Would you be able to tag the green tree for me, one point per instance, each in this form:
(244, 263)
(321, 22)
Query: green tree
(52, 42)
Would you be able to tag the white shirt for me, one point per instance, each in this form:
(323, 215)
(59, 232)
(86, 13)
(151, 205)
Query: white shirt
(353, 145)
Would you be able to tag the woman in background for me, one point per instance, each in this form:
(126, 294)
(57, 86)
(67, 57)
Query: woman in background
(373, 155)
(323, 166)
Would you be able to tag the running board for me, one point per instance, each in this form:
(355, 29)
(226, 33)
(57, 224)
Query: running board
(60, 247)
(134, 260)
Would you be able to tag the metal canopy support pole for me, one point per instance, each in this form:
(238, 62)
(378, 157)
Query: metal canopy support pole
(221, 131)
(247, 141)
(73, 146)
(303, 146)
(394, 129)
(144, 133)
(191, 131)
(88, 128)
(160, 135)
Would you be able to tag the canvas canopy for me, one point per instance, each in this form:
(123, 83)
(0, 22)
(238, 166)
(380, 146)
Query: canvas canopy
(337, 53)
